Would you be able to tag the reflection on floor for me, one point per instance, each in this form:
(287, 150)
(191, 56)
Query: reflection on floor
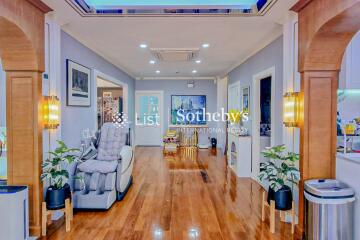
(189, 195)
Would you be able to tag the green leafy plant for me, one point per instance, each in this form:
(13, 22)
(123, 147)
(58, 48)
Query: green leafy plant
(281, 168)
(53, 167)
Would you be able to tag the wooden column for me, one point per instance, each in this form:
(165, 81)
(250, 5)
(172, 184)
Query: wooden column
(318, 127)
(325, 29)
(22, 54)
(24, 133)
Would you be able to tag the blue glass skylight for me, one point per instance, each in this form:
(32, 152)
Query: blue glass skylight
(171, 7)
(105, 4)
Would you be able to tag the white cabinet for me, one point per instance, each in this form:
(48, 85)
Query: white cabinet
(239, 154)
(350, 68)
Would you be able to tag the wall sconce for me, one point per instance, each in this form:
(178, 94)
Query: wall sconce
(291, 109)
(51, 111)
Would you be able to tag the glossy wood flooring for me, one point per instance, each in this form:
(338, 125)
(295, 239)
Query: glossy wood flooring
(186, 196)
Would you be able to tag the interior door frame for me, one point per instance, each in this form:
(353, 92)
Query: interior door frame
(97, 74)
(161, 108)
(237, 104)
(255, 115)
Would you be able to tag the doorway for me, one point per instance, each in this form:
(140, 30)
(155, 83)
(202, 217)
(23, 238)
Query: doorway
(110, 101)
(262, 117)
(149, 122)
(112, 95)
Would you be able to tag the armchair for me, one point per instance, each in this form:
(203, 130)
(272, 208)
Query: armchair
(105, 178)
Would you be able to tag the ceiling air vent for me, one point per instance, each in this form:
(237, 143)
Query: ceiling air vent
(175, 54)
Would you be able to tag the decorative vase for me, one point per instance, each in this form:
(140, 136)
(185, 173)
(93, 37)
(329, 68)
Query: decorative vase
(55, 198)
(283, 198)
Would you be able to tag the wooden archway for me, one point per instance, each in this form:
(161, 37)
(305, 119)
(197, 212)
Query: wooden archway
(22, 55)
(325, 29)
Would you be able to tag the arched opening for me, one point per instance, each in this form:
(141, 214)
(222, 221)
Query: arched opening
(22, 58)
(16, 50)
(324, 34)
(23, 92)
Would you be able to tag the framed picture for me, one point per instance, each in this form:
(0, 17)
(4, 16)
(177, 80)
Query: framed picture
(78, 84)
(245, 93)
(188, 104)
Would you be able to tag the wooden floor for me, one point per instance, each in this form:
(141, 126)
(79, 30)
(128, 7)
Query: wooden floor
(187, 196)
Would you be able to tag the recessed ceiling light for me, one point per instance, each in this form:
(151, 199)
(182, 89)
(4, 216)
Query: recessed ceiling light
(157, 71)
(206, 45)
(198, 61)
(194, 71)
(152, 61)
(143, 45)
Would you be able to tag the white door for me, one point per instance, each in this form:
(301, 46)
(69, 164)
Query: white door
(222, 92)
(148, 118)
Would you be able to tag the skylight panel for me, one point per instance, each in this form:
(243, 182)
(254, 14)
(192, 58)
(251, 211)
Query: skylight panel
(171, 7)
(161, 4)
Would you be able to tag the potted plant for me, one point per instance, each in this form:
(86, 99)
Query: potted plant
(53, 170)
(282, 174)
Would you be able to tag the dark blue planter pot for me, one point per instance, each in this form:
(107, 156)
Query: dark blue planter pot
(55, 198)
(283, 198)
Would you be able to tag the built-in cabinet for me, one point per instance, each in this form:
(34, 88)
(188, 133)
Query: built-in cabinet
(350, 69)
(239, 154)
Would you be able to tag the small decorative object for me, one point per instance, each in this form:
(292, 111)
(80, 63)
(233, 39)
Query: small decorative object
(78, 84)
(107, 94)
(51, 112)
(53, 170)
(291, 109)
(213, 142)
(282, 173)
(234, 116)
(350, 128)
(243, 131)
(171, 142)
(246, 100)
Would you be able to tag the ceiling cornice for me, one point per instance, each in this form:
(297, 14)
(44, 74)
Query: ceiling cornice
(175, 78)
(93, 48)
(300, 5)
(40, 5)
(267, 41)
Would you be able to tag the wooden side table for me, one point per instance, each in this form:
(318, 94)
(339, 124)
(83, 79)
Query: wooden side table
(68, 214)
(273, 213)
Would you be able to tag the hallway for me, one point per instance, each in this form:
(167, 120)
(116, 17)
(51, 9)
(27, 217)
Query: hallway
(187, 196)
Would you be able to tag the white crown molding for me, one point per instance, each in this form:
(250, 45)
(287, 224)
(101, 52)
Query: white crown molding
(174, 78)
(95, 50)
(263, 44)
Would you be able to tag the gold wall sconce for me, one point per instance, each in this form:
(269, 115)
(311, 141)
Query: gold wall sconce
(51, 112)
(291, 109)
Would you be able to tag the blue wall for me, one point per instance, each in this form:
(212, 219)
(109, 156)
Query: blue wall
(271, 55)
(179, 87)
(76, 119)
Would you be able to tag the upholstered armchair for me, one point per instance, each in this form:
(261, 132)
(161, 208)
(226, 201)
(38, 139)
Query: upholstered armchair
(105, 178)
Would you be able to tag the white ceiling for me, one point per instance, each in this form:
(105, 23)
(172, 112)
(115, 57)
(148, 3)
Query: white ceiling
(232, 39)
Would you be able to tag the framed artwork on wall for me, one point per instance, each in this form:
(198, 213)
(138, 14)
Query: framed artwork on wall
(78, 84)
(245, 93)
(188, 104)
